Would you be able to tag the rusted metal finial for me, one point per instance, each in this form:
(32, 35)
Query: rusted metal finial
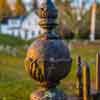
(48, 61)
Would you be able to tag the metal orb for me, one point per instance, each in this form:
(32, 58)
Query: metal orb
(48, 61)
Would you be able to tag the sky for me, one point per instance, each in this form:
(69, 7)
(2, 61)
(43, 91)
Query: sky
(76, 2)
(27, 1)
(12, 1)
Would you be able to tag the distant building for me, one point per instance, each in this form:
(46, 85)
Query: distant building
(12, 26)
(25, 27)
(30, 25)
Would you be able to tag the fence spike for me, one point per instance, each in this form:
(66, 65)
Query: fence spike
(98, 72)
(79, 76)
(86, 81)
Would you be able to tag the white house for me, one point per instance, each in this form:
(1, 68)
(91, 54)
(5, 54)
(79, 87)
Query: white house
(12, 26)
(30, 25)
(26, 26)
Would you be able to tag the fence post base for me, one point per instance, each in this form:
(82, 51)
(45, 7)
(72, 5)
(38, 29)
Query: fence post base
(52, 94)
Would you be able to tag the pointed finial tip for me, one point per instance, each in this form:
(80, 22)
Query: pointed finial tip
(48, 14)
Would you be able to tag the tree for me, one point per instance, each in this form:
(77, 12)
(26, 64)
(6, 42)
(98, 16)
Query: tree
(98, 21)
(34, 4)
(87, 22)
(85, 29)
(19, 9)
(4, 9)
(64, 31)
(67, 17)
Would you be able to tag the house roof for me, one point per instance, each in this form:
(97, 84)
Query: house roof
(5, 19)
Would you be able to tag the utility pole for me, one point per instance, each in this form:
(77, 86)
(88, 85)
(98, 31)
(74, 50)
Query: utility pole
(93, 20)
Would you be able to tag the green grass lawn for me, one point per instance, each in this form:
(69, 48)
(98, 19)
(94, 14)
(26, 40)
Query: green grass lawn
(12, 40)
(15, 83)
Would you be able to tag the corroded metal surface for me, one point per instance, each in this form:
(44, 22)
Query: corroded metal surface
(52, 94)
(48, 59)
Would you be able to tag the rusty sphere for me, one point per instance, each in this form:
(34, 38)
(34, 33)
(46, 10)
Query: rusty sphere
(48, 61)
